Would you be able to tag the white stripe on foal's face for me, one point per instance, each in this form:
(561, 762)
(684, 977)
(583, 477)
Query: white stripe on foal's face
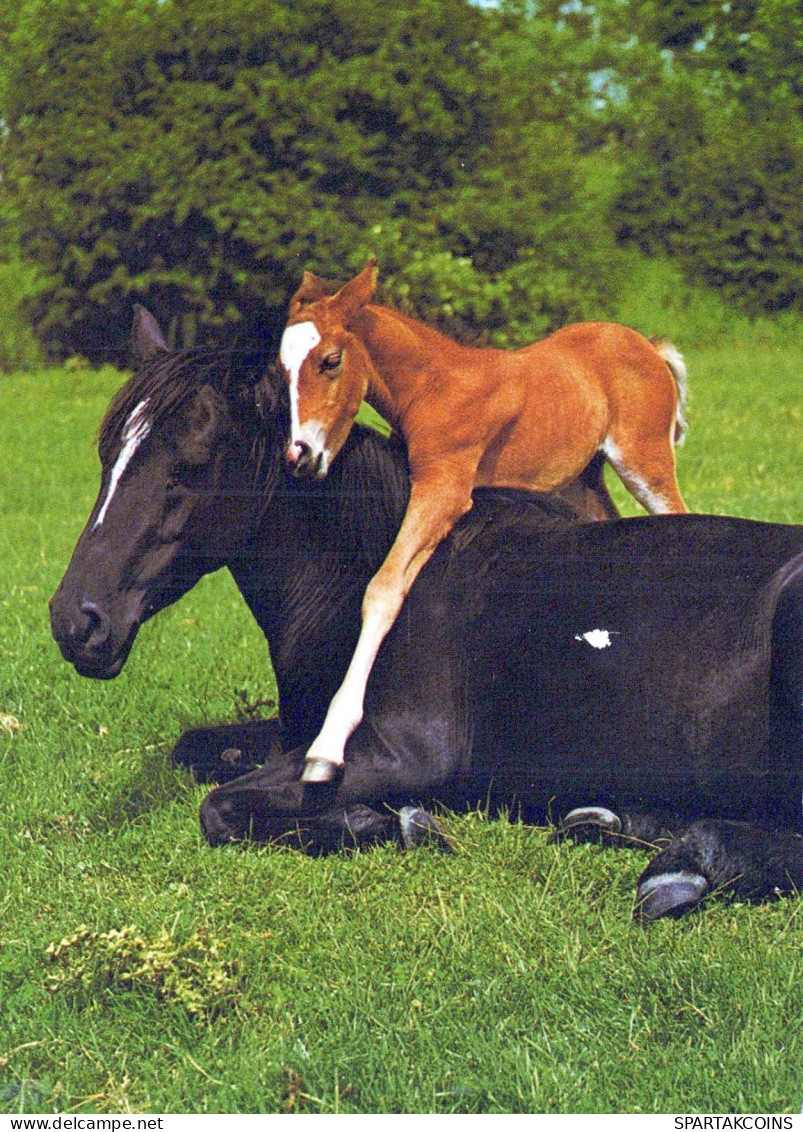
(297, 341)
(135, 430)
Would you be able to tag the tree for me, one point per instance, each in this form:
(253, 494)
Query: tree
(197, 157)
(713, 154)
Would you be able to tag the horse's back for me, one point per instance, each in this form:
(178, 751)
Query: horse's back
(607, 355)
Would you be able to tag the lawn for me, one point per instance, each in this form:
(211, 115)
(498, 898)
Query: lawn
(142, 971)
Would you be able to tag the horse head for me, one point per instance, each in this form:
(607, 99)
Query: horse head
(327, 367)
(173, 497)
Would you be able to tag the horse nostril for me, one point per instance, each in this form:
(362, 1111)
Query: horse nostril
(98, 625)
(298, 453)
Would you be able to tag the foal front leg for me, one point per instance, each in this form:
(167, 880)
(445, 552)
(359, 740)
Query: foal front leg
(436, 504)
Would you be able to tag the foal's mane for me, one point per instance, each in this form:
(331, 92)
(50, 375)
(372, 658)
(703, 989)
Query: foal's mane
(428, 335)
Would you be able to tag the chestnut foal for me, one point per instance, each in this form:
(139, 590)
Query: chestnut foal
(530, 418)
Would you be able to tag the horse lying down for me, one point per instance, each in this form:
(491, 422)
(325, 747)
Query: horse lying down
(470, 417)
(643, 676)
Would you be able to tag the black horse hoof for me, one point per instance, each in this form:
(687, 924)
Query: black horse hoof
(588, 823)
(220, 822)
(419, 828)
(669, 894)
(320, 770)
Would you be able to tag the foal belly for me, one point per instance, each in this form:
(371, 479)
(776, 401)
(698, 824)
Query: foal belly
(528, 462)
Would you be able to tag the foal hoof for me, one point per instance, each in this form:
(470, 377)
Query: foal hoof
(669, 894)
(418, 828)
(319, 770)
(588, 823)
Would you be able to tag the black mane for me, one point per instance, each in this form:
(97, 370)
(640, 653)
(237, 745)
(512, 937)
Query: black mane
(355, 507)
(363, 498)
(168, 380)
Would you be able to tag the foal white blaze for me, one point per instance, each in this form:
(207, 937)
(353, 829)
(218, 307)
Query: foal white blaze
(297, 342)
(135, 430)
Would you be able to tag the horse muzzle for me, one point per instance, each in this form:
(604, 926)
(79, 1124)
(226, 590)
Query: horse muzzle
(89, 638)
(307, 460)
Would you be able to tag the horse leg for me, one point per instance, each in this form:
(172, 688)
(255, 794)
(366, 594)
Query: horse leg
(647, 469)
(226, 751)
(740, 859)
(270, 804)
(588, 494)
(435, 506)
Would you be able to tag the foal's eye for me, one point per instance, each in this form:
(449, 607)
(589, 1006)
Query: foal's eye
(331, 360)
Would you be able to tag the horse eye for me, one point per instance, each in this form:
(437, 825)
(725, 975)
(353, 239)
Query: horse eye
(331, 360)
(195, 476)
(185, 477)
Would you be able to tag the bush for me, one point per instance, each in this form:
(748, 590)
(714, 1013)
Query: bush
(659, 300)
(19, 285)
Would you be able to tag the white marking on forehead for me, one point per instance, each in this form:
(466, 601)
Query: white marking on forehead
(597, 638)
(297, 341)
(135, 429)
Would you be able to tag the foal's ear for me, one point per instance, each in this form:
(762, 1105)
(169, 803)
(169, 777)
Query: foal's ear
(205, 421)
(312, 288)
(146, 335)
(357, 292)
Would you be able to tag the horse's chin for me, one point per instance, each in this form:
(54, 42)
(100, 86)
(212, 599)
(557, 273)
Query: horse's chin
(94, 671)
(100, 666)
(311, 473)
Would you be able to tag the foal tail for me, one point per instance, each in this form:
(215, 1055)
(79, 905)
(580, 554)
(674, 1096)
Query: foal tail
(675, 360)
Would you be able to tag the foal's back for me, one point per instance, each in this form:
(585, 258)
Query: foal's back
(539, 414)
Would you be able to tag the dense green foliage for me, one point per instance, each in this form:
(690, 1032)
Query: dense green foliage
(198, 156)
(720, 188)
(142, 971)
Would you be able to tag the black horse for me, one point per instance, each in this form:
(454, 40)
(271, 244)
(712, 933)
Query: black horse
(643, 675)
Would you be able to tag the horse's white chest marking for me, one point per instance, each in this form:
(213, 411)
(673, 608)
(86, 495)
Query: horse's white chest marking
(297, 341)
(597, 638)
(135, 430)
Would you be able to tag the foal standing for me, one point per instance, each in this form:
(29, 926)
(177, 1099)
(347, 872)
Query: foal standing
(531, 418)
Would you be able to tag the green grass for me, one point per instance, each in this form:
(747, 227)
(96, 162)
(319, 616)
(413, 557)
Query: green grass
(506, 978)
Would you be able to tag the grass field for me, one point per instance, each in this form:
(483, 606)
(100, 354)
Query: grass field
(142, 971)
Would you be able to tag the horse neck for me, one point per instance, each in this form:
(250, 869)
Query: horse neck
(404, 353)
(341, 526)
(311, 554)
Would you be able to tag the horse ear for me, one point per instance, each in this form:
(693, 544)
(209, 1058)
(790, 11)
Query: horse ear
(312, 288)
(357, 292)
(206, 419)
(146, 335)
